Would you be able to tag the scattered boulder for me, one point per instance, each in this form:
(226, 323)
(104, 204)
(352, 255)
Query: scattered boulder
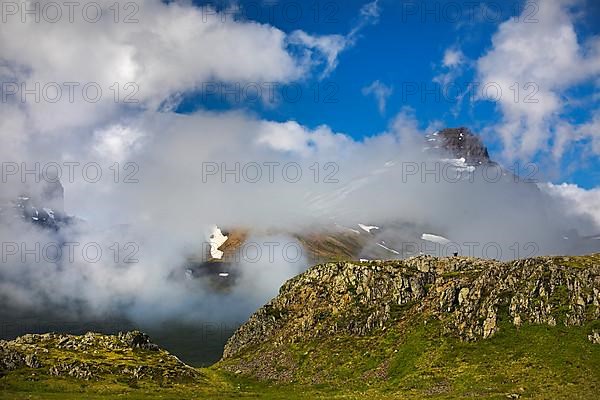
(10, 359)
(594, 337)
(137, 340)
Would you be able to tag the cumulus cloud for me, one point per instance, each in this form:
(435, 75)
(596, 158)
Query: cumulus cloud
(138, 73)
(577, 201)
(321, 49)
(453, 58)
(116, 142)
(239, 171)
(544, 59)
(173, 48)
(369, 15)
(454, 62)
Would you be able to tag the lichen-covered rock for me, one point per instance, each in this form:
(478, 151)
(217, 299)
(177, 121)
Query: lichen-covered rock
(93, 356)
(594, 337)
(32, 361)
(137, 340)
(10, 359)
(77, 369)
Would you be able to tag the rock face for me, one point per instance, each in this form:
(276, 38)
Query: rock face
(137, 340)
(462, 143)
(467, 296)
(40, 202)
(94, 356)
(11, 359)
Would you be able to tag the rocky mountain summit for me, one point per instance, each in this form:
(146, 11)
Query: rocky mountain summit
(468, 299)
(461, 143)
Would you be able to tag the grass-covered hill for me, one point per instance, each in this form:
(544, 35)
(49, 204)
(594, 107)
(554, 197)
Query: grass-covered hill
(425, 326)
(448, 328)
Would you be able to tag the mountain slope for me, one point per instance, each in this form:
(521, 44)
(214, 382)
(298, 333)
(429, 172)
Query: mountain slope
(450, 326)
(425, 327)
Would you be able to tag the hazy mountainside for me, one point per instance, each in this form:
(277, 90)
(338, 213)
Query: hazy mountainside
(463, 151)
(41, 204)
(461, 155)
(423, 327)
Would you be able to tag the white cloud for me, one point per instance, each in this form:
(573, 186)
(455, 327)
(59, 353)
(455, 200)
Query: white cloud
(453, 65)
(369, 15)
(174, 48)
(321, 49)
(169, 212)
(543, 59)
(117, 142)
(577, 200)
(381, 92)
(453, 58)
(328, 48)
(591, 130)
(295, 138)
(586, 134)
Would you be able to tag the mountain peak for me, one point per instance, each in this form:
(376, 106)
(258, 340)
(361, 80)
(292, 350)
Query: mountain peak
(461, 142)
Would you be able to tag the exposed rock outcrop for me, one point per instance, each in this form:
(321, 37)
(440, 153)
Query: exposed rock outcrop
(462, 143)
(93, 356)
(468, 296)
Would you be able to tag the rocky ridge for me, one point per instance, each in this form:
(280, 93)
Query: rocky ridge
(467, 296)
(94, 356)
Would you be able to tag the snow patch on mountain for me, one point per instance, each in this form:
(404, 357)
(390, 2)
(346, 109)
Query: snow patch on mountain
(460, 164)
(367, 228)
(435, 239)
(217, 239)
(387, 248)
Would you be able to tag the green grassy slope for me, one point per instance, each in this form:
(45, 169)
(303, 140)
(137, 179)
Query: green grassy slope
(530, 362)
(423, 349)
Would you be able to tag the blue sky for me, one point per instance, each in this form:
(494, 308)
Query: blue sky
(405, 48)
